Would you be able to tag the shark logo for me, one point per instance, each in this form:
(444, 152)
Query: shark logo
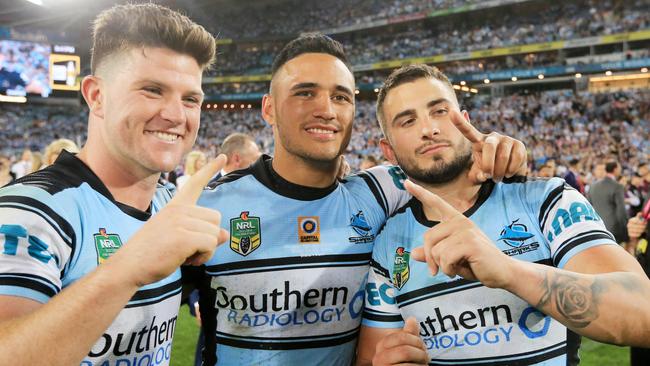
(360, 226)
(516, 235)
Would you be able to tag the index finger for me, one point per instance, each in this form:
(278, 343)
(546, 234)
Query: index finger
(192, 189)
(465, 127)
(431, 200)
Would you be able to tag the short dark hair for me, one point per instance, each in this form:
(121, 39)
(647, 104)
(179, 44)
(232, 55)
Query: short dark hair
(309, 43)
(403, 75)
(123, 27)
(610, 166)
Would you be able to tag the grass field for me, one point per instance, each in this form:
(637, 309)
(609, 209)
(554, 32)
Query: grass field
(592, 353)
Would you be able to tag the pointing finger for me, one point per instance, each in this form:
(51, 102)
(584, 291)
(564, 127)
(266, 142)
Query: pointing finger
(444, 210)
(466, 128)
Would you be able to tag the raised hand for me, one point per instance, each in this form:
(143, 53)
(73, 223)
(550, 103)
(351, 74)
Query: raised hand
(181, 232)
(403, 347)
(456, 246)
(495, 156)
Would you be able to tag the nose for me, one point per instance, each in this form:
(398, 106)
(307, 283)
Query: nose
(324, 108)
(173, 111)
(429, 128)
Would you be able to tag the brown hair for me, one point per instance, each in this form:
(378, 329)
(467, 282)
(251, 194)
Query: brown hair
(403, 75)
(149, 25)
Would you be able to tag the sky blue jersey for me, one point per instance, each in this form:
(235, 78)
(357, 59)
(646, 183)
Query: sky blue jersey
(288, 287)
(59, 224)
(463, 322)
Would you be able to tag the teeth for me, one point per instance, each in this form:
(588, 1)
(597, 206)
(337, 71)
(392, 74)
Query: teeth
(318, 130)
(165, 136)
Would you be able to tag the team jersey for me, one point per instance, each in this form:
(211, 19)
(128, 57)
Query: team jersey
(59, 224)
(289, 286)
(463, 322)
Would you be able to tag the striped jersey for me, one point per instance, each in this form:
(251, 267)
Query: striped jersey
(59, 224)
(463, 322)
(289, 286)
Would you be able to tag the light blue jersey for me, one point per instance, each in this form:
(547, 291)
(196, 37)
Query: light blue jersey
(463, 322)
(59, 224)
(288, 288)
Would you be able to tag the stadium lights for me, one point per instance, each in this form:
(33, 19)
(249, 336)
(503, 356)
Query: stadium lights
(608, 73)
(474, 90)
(232, 106)
(464, 88)
(486, 81)
(12, 99)
(241, 106)
(376, 90)
(356, 91)
(578, 75)
(225, 106)
(457, 87)
(644, 69)
(207, 106)
(249, 106)
(540, 76)
(463, 83)
(514, 78)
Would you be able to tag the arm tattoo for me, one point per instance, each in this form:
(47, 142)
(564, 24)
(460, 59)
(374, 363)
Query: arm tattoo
(575, 298)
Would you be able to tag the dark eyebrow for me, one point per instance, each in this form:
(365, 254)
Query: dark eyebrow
(344, 89)
(408, 112)
(164, 86)
(304, 86)
(437, 101)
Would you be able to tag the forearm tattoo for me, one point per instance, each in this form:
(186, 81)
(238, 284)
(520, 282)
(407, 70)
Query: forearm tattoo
(575, 298)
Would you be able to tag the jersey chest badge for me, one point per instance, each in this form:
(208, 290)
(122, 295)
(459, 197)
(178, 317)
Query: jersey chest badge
(106, 245)
(519, 239)
(401, 267)
(245, 233)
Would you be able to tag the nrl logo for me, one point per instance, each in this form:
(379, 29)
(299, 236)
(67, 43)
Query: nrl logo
(245, 233)
(401, 267)
(106, 245)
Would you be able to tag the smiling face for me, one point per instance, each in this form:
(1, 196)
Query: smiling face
(148, 109)
(421, 136)
(311, 108)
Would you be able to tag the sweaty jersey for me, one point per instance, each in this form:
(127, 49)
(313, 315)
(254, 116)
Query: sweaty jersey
(288, 287)
(59, 224)
(463, 322)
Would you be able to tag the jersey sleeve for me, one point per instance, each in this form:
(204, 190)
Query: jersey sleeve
(35, 245)
(569, 223)
(387, 185)
(381, 309)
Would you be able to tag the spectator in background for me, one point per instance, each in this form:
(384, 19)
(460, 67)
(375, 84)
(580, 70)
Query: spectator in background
(241, 151)
(24, 166)
(571, 176)
(53, 150)
(633, 195)
(5, 167)
(368, 162)
(37, 161)
(545, 171)
(599, 172)
(608, 198)
(194, 161)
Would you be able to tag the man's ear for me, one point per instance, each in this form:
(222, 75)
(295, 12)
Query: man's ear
(92, 91)
(268, 110)
(387, 150)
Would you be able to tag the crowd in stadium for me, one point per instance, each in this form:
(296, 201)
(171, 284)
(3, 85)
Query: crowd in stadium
(558, 126)
(562, 21)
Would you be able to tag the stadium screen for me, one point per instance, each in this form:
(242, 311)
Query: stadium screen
(29, 68)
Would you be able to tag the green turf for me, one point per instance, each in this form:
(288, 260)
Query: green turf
(592, 353)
